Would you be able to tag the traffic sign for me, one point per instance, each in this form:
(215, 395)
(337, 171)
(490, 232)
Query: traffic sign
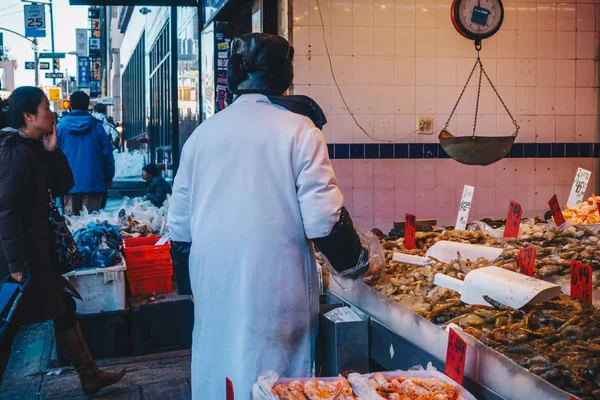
(54, 94)
(44, 65)
(35, 20)
(29, 64)
(52, 55)
(55, 75)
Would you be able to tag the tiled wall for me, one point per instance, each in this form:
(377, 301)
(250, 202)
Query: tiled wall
(397, 60)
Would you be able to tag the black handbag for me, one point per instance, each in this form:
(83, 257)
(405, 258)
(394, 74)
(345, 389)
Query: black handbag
(68, 256)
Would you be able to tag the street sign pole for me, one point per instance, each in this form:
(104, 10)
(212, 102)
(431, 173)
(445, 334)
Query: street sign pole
(52, 37)
(37, 63)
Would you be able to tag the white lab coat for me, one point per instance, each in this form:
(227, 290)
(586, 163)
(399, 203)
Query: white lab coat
(254, 185)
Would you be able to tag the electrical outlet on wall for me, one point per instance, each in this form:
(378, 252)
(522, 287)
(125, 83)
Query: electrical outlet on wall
(425, 125)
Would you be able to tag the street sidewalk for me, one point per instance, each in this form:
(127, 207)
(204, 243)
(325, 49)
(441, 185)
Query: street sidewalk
(164, 376)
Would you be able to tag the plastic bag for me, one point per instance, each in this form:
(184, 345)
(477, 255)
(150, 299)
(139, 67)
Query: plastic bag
(262, 389)
(128, 164)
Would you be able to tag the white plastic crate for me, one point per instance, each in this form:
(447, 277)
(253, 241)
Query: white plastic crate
(102, 289)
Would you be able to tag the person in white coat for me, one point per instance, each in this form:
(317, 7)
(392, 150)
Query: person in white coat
(255, 185)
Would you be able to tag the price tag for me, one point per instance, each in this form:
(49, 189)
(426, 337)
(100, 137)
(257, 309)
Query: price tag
(598, 206)
(582, 177)
(464, 207)
(228, 389)
(410, 232)
(513, 220)
(526, 260)
(456, 355)
(581, 281)
(557, 214)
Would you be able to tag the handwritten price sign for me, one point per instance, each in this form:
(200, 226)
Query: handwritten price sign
(581, 281)
(456, 354)
(513, 220)
(465, 206)
(557, 214)
(410, 232)
(526, 260)
(582, 177)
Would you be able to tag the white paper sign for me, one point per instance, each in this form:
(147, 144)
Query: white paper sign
(81, 38)
(464, 207)
(582, 177)
(163, 240)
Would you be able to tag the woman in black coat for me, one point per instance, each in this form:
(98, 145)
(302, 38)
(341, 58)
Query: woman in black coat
(30, 165)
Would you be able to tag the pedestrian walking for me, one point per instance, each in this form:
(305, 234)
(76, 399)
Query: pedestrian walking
(90, 153)
(31, 165)
(107, 123)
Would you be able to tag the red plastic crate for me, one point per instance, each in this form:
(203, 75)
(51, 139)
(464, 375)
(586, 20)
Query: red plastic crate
(150, 284)
(143, 250)
(150, 271)
(148, 263)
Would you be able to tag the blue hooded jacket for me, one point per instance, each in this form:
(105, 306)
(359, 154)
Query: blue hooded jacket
(82, 138)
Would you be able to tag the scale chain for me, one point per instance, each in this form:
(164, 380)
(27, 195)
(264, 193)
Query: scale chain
(478, 94)
(514, 121)
(461, 95)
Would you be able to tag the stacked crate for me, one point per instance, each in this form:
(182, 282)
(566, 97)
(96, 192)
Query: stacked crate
(149, 266)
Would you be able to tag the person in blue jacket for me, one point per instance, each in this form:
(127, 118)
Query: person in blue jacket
(82, 138)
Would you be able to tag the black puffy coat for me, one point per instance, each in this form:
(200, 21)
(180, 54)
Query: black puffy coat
(27, 171)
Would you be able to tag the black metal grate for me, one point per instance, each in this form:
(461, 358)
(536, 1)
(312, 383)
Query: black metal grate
(134, 89)
(160, 127)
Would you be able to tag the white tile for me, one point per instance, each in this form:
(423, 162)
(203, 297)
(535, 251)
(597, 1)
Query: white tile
(363, 38)
(464, 66)
(317, 45)
(487, 125)
(566, 17)
(383, 99)
(585, 101)
(490, 68)
(385, 71)
(487, 101)
(585, 73)
(425, 42)
(565, 128)
(527, 129)
(301, 39)
(405, 13)
(404, 99)
(527, 71)
(344, 103)
(565, 73)
(546, 17)
(384, 13)
(565, 101)
(464, 47)
(526, 100)
(526, 16)
(404, 127)
(507, 72)
(405, 42)
(445, 72)
(597, 17)
(363, 12)
(490, 50)
(383, 127)
(425, 99)
(546, 101)
(565, 45)
(341, 128)
(343, 69)
(301, 90)
(341, 13)
(509, 95)
(300, 14)
(440, 123)
(510, 16)
(546, 73)
(384, 41)
(364, 99)
(545, 129)
(526, 44)
(467, 102)
(442, 11)
(301, 71)
(506, 44)
(364, 69)
(322, 95)
(546, 44)
(365, 123)
(315, 13)
(586, 14)
(320, 72)
(425, 14)
(425, 72)
(341, 40)
(586, 45)
(585, 128)
(445, 42)
(505, 126)
(445, 99)
(405, 70)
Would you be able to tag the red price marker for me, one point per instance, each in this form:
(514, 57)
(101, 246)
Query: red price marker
(229, 389)
(410, 232)
(557, 214)
(513, 220)
(581, 281)
(456, 354)
(598, 206)
(526, 260)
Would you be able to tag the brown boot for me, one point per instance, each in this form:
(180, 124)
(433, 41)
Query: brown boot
(92, 378)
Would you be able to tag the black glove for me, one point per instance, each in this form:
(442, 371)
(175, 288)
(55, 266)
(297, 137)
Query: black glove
(180, 253)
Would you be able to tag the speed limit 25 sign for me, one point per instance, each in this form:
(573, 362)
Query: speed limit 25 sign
(35, 20)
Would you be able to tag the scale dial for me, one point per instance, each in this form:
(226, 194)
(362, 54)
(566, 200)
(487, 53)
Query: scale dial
(477, 19)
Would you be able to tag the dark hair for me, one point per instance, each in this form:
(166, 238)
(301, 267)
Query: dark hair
(80, 101)
(152, 169)
(23, 100)
(100, 108)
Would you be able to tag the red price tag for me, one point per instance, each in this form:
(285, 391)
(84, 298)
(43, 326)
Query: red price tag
(456, 354)
(410, 232)
(598, 206)
(513, 220)
(559, 219)
(228, 389)
(526, 260)
(581, 281)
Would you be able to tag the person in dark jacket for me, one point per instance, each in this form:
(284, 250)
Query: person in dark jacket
(158, 188)
(90, 153)
(31, 165)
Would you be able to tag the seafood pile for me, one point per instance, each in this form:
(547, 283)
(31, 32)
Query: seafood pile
(132, 228)
(400, 388)
(315, 389)
(585, 213)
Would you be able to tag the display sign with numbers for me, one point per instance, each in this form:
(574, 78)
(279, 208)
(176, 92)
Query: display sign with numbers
(410, 232)
(35, 20)
(526, 260)
(513, 220)
(559, 218)
(464, 207)
(456, 354)
(582, 177)
(581, 281)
